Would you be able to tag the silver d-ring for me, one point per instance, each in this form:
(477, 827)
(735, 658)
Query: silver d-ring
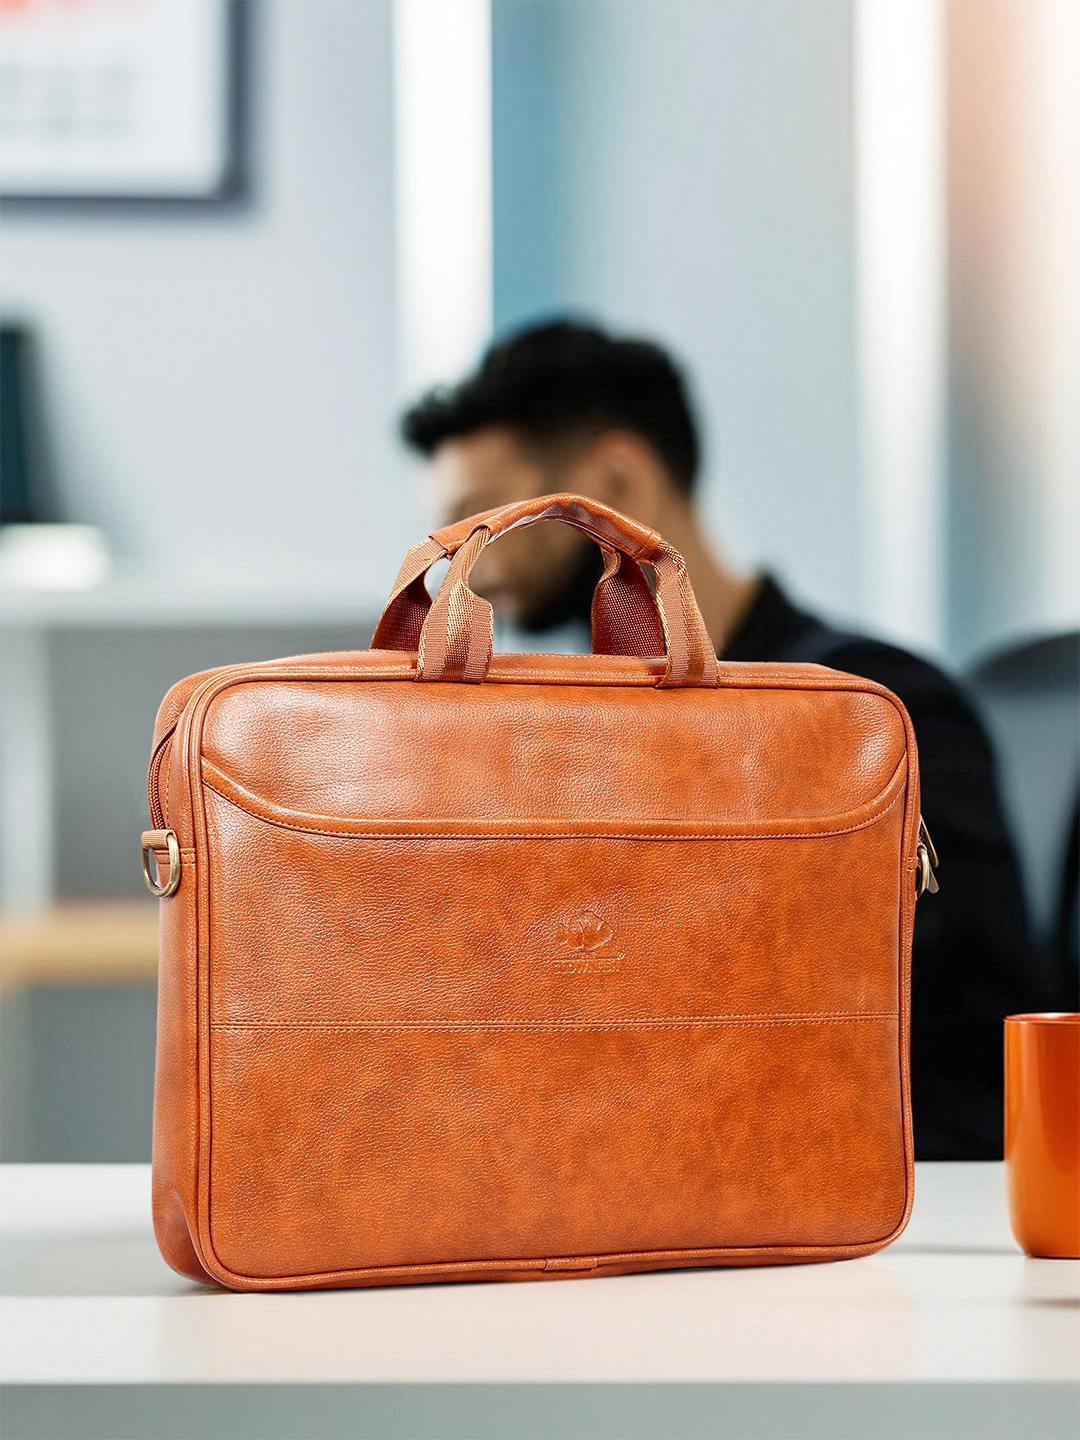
(160, 840)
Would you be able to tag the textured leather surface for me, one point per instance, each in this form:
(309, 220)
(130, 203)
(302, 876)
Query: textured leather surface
(561, 972)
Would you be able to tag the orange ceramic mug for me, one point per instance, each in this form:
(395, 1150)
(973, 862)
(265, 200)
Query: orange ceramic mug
(1042, 1132)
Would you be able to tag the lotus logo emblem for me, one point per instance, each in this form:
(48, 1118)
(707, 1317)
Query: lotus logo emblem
(586, 943)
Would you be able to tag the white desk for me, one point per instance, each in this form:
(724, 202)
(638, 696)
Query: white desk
(951, 1331)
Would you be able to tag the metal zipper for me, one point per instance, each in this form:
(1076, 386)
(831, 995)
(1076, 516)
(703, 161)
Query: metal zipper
(153, 793)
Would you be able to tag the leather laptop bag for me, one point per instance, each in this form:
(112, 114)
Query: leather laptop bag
(527, 966)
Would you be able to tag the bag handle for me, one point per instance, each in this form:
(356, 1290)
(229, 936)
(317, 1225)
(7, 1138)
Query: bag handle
(455, 637)
(624, 615)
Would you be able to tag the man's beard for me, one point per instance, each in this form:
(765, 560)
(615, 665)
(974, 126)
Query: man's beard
(572, 600)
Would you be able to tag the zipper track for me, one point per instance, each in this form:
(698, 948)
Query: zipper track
(153, 779)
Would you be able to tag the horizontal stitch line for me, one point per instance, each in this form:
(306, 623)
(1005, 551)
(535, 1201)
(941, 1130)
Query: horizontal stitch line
(482, 1266)
(736, 674)
(675, 1023)
(549, 834)
(645, 678)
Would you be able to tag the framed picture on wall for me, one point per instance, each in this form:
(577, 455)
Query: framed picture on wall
(120, 101)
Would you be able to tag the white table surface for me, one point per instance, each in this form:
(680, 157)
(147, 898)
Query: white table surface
(88, 1300)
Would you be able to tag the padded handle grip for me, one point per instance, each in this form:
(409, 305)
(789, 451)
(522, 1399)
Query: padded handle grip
(605, 525)
(455, 637)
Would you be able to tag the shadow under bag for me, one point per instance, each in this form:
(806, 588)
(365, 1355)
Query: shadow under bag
(529, 966)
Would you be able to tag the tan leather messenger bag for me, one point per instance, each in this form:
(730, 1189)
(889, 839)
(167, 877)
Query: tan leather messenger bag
(523, 966)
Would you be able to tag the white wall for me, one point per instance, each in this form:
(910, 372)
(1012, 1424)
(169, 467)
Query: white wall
(221, 385)
(700, 188)
(686, 167)
(1014, 221)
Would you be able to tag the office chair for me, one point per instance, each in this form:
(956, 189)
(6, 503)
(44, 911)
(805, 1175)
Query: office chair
(1030, 698)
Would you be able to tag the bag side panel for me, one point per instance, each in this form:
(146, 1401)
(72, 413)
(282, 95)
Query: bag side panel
(176, 1108)
(175, 1160)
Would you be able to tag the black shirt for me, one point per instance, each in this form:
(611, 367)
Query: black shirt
(973, 961)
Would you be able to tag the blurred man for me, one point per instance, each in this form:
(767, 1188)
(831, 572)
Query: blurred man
(567, 407)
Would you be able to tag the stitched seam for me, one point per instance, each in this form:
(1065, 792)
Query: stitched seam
(603, 1262)
(750, 676)
(677, 1023)
(753, 677)
(551, 834)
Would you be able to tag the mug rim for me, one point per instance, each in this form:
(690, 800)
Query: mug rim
(1047, 1017)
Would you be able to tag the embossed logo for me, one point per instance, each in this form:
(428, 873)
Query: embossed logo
(587, 944)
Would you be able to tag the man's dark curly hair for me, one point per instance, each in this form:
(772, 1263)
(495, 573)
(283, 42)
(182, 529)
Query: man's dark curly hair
(563, 380)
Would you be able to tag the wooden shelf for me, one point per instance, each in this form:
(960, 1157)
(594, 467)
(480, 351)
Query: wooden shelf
(92, 942)
(134, 599)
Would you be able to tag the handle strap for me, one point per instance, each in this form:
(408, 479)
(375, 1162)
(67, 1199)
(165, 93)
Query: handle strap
(456, 630)
(624, 613)
(605, 525)
(405, 612)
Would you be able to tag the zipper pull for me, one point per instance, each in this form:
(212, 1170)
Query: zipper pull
(925, 879)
